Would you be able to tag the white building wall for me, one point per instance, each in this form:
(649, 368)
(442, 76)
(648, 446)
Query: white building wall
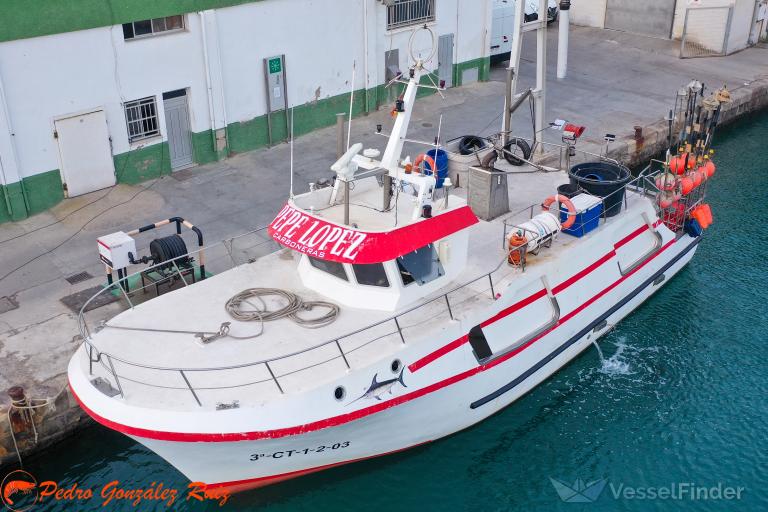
(589, 13)
(741, 23)
(52, 76)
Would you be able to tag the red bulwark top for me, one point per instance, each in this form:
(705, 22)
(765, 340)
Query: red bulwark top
(325, 240)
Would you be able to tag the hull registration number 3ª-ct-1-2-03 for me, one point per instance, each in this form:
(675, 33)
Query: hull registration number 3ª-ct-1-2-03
(306, 451)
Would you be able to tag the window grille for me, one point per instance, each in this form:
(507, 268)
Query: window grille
(141, 118)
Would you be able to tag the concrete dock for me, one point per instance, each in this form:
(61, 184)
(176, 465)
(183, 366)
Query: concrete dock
(616, 82)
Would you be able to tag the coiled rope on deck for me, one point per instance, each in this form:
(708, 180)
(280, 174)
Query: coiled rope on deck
(237, 308)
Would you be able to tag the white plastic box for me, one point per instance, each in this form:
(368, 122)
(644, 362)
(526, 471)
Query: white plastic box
(114, 249)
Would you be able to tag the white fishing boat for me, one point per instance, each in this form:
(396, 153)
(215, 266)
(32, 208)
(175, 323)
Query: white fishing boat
(392, 315)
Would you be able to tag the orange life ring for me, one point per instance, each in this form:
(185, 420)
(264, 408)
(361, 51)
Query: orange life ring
(424, 158)
(516, 248)
(568, 204)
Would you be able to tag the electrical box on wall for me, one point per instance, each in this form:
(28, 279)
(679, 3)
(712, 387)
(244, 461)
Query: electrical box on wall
(274, 69)
(114, 249)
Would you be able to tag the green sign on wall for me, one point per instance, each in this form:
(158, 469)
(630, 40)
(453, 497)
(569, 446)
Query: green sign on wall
(275, 66)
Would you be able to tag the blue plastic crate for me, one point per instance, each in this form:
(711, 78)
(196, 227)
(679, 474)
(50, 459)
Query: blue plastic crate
(590, 210)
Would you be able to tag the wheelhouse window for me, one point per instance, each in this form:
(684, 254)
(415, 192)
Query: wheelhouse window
(141, 118)
(144, 28)
(371, 275)
(329, 267)
(420, 266)
(403, 13)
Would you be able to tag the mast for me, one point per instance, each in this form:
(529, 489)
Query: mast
(400, 129)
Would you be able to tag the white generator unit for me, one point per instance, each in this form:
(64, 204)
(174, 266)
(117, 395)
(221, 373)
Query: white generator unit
(114, 249)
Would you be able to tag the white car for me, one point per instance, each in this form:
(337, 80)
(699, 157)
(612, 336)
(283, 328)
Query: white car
(504, 22)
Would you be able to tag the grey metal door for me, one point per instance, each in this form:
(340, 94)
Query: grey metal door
(647, 17)
(177, 126)
(445, 59)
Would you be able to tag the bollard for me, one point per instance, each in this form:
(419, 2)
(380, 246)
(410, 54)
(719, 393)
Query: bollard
(20, 417)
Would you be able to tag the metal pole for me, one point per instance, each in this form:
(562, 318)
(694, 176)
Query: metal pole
(512, 70)
(346, 203)
(562, 38)
(541, 69)
(340, 134)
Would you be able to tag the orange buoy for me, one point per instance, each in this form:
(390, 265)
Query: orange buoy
(703, 215)
(517, 243)
(568, 204)
(679, 164)
(696, 177)
(709, 168)
(686, 185)
(698, 215)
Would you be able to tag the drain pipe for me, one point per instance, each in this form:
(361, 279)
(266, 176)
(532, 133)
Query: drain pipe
(562, 38)
(11, 165)
(207, 65)
(365, 52)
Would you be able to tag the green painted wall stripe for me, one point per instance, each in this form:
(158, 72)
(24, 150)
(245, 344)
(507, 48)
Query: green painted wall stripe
(143, 164)
(43, 191)
(22, 19)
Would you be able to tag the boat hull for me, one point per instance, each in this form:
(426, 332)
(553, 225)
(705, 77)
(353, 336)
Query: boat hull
(450, 403)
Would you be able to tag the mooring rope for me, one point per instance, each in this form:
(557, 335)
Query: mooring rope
(235, 307)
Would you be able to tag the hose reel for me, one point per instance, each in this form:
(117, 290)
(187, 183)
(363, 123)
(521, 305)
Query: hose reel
(171, 249)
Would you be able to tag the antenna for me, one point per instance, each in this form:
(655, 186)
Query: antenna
(351, 103)
(290, 194)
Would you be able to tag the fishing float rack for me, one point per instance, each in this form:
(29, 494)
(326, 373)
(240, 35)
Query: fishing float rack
(688, 167)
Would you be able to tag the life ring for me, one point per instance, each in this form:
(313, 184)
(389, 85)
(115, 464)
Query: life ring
(568, 204)
(424, 158)
(517, 247)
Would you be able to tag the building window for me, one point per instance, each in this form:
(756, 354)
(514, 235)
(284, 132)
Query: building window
(371, 275)
(141, 119)
(420, 266)
(152, 27)
(402, 13)
(330, 267)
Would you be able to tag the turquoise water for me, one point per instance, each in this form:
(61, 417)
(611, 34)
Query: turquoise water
(681, 398)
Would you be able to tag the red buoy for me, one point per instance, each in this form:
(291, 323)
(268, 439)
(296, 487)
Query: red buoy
(710, 168)
(677, 164)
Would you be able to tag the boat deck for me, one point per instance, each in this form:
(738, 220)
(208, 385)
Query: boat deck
(153, 377)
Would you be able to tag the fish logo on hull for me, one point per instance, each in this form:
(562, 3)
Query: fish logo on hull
(19, 491)
(377, 389)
